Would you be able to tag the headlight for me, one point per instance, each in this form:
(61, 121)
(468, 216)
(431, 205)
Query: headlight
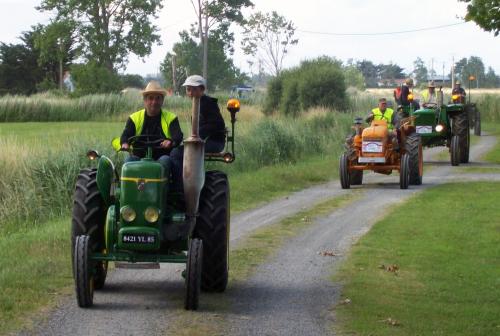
(439, 128)
(128, 214)
(455, 97)
(151, 214)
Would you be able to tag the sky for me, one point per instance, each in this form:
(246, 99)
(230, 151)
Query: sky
(437, 47)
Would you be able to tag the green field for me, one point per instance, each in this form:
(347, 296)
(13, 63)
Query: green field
(427, 272)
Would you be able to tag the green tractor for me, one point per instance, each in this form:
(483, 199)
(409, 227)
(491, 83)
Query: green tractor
(133, 217)
(440, 124)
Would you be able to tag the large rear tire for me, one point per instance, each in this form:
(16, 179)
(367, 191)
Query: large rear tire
(404, 171)
(193, 274)
(477, 122)
(88, 218)
(414, 150)
(461, 129)
(345, 178)
(455, 151)
(84, 280)
(212, 228)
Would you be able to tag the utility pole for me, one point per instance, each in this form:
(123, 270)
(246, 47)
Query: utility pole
(174, 75)
(60, 64)
(452, 72)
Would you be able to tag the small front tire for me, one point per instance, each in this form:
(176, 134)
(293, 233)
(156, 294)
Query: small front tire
(345, 178)
(404, 172)
(84, 280)
(193, 274)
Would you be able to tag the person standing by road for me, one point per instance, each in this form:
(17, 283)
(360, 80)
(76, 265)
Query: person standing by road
(153, 121)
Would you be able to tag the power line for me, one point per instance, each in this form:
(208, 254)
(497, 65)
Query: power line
(384, 33)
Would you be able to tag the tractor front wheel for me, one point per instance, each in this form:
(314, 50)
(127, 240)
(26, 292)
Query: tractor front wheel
(414, 150)
(84, 280)
(455, 150)
(461, 129)
(356, 177)
(212, 227)
(88, 218)
(193, 274)
(404, 171)
(345, 178)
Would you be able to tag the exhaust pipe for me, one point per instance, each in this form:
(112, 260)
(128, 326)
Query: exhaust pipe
(193, 173)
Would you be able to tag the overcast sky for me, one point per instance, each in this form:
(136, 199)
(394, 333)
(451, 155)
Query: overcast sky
(322, 16)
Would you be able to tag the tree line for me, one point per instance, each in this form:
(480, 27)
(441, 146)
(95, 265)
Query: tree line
(93, 39)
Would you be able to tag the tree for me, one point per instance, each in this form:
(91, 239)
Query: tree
(486, 13)
(57, 44)
(354, 77)
(491, 79)
(420, 71)
(133, 81)
(19, 69)
(472, 66)
(369, 71)
(268, 37)
(390, 71)
(110, 30)
(210, 15)
(185, 61)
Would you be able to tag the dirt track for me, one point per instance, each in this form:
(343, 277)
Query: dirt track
(289, 295)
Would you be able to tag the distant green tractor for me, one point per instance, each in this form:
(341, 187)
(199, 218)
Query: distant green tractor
(133, 217)
(440, 124)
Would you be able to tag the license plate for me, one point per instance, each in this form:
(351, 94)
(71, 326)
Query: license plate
(139, 239)
(424, 129)
(372, 147)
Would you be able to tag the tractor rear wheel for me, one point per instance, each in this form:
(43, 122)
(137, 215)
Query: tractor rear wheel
(455, 151)
(84, 280)
(404, 171)
(345, 178)
(477, 122)
(461, 129)
(414, 149)
(88, 218)
(212, 227)
(193, 274)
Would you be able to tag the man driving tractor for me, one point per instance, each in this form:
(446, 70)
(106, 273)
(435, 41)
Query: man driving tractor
(429, 96)
(153, 121)
(458, 90)
(382, 112)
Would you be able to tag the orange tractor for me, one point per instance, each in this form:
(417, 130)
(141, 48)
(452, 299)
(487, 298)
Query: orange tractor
(375, 148)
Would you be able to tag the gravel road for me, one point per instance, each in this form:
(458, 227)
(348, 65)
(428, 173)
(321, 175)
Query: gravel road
(285, 296)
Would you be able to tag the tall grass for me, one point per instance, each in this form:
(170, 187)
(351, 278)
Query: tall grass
(37, 181)
(489, 106)
(98, 107)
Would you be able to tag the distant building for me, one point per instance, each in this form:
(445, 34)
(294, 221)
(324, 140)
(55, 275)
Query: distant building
(439, 80)
(390, 82)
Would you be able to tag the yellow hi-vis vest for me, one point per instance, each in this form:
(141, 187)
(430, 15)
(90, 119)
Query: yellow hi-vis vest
(387, 116)
(166, 119)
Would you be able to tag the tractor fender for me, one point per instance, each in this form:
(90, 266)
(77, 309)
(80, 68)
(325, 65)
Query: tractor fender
(105, 173)
(110, 232)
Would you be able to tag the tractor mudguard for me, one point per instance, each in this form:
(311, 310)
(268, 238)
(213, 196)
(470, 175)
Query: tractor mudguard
(105, 171)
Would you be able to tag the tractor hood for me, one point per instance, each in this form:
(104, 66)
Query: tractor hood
(377, 130)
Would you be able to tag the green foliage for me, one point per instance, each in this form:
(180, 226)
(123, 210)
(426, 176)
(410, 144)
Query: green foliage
(268, 37)
(420, 71)
(19, 68)
(486, 13)
(318, 82)
(109, 30)
(133, 81)
(354, 77)
(221, 70)
(94, 78)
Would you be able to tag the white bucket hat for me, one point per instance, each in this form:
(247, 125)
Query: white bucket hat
(195, 80)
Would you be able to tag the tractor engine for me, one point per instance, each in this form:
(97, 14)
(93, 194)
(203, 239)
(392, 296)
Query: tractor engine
(374, 142)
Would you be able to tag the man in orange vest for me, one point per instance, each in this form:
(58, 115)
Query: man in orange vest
(154, 121)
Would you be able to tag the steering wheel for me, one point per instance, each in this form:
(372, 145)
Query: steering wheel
(146, 141)
(430, 105)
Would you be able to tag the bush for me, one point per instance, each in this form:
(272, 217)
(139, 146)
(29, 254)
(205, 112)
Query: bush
(316, 83)
(93, 78)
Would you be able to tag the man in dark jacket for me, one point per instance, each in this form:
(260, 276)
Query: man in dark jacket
(154, 121)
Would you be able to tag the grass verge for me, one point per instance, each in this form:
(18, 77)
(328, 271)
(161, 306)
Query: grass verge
(493, 156)
(441, 274)
(244, 260)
